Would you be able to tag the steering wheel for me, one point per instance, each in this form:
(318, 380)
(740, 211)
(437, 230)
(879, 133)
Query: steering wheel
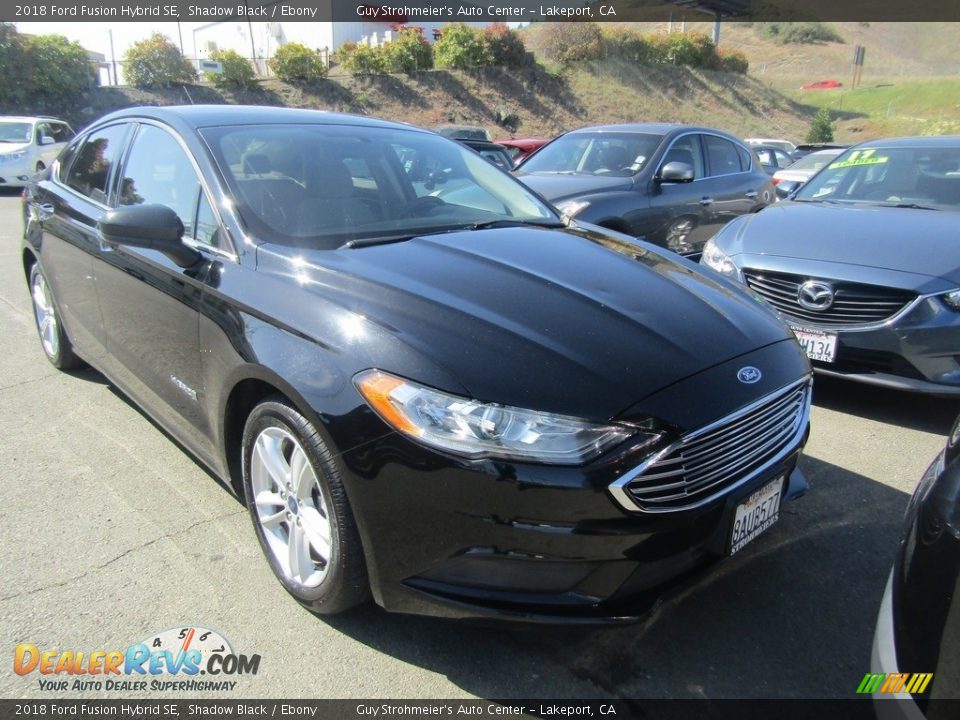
(423, 206)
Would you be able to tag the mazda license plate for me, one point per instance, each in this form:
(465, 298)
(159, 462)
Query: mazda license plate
(817, 344)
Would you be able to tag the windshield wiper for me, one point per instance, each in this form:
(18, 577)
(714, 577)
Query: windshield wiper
(509, 222)
(912, 206)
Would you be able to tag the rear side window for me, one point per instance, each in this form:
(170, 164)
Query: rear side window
(90, 171)
(722, 156)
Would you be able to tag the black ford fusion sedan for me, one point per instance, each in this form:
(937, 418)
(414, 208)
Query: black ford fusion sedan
(916, 645)
(424, 385)
(673, 185)
(864, 263)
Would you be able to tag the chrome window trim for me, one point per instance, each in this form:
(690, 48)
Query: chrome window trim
(626, 501)
(716, 135)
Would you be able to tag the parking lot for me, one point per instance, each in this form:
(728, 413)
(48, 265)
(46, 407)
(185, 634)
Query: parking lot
(112, 534)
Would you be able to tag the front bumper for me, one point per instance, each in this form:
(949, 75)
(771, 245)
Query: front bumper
(917, 350)
(16, 173)
(458, 539)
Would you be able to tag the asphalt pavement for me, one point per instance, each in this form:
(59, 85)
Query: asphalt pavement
(110, 533)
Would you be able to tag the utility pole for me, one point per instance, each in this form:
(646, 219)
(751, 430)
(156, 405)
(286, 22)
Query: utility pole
(113, 59)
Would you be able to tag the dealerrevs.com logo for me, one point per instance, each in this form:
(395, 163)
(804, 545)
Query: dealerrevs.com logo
(172, 660)
(893, 683)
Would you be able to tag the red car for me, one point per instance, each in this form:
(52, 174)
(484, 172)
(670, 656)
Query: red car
(519, 148)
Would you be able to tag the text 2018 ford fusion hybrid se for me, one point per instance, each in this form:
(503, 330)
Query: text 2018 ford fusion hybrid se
(426, 387)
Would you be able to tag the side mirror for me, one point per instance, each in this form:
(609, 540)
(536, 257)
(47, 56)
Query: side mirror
(154, 227)
(786, 188)
(676, 172)
(47, 140)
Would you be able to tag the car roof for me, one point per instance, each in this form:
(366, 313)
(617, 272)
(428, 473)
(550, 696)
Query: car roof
(652, 129)
(26, 118)
(199, 116)
(939, 141)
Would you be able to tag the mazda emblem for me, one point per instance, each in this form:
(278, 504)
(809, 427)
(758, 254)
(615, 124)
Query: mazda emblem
(749, 375)
(815, 295)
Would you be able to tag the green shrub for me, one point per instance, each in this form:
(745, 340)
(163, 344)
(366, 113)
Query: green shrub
(460, 47)
(798, 32)
(237, 70)
(572, 41)
(821, 129)
(407, 53)
(733, 61)
(363, 60)
(626, 44)
(504, 47)
(693, 50)
(156, 62)
(296, 63)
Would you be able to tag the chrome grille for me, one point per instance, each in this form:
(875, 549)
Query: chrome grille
(709, 461)
(853, 303)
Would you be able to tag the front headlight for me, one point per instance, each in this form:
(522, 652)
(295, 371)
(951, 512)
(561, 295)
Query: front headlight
(13, 157)
(952, 299)
(475, 429)
(571, 208)
(715, 258)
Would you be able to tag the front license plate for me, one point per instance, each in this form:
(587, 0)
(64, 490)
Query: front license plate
(818, 345)
(756, 514)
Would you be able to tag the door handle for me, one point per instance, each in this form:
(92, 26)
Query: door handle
(751, 194)
(706, 201)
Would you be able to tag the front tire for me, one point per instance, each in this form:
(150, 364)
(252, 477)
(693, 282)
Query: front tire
(300, 510)
(53, 338)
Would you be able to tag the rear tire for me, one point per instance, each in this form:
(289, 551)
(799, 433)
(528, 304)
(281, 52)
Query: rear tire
(53, 338)
(300, 510)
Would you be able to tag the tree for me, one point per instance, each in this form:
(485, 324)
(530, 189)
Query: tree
(58, 68)
(504, 46)
(821, 129)
(156, 62)
(571, 42)
(237, 70)
(460, 47)
(296, 63)
(407, 53)
(13, 90)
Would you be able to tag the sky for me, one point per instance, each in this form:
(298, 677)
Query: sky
(96, 35)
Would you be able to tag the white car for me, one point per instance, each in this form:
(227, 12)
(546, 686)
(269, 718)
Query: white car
(792, 177)
(785, 145)
(28, 145)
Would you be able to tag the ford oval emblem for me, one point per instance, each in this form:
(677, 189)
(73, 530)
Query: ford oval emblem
(749, 375)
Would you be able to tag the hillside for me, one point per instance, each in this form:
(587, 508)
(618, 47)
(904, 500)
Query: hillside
(914, 95)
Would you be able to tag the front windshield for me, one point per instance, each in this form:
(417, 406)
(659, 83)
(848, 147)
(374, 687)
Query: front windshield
(15, 132)
(925, 177)
(601, 153)
(324, 185)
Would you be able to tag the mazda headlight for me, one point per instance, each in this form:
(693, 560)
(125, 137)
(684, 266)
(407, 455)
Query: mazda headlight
(476, 429)
(572, 208)
(714, 257)
(952, 299)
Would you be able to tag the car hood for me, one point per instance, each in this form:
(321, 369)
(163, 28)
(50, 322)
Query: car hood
(572, 322)
(7, 148)
(921, 244)
(556, 187)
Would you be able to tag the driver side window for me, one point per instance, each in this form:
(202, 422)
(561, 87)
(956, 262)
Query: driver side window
(686, 150)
